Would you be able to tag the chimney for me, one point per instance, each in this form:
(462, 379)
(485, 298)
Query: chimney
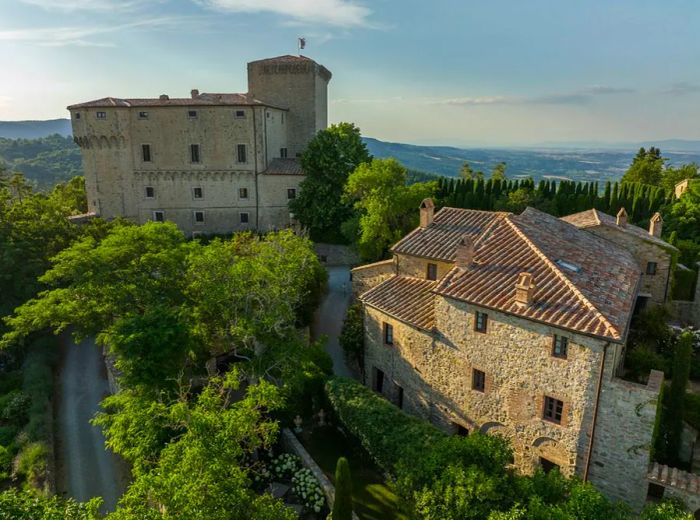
(525, 289)
(464, 254)
(163, 97)
(427, 210)
(622, 217)
(656, 224)
(195, 93)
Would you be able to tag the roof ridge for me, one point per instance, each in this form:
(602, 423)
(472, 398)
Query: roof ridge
(610, 328)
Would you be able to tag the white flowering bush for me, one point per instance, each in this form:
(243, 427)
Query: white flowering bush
(261, 474)
(307, 488)
(285, 466)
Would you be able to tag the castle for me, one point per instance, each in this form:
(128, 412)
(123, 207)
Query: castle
(516, 325)
(211, 163)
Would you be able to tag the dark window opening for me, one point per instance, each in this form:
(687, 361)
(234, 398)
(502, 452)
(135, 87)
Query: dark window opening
(241, 153)
(460, 430)
(378, 380)
(240, 114)
(150, 192)
(655, 492)
(399, 396)
(101, 115)
(291, 193)
(480, 321)
(432, 272)
(651, 268)
(548, 465)
(143, 115)
(198, 193)
(388, 334)
(199, 217)
(478, 380)
(283, 153)
(146, 152)
(560, 346)
(640, 304)
(192, 114)
(553, 409)
(244, 218)
(194, 153)
(77, 115)
(243, 193)
(158, 216)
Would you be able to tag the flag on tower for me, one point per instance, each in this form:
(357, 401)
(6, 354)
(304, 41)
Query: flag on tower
(302, 43)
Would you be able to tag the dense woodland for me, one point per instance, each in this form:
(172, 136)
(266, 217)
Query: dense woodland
(163, 304)
(45, 161)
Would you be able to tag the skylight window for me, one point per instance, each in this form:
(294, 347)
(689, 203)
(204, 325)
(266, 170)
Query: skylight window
(568, 265)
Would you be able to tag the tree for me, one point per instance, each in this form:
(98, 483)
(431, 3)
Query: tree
(676, 395)
(466, 172)
(342, 504)
(683, 216)
(387, 207)
(646, 168)
(499, 172)
(26, 505)
(352, 335)
(327, 162)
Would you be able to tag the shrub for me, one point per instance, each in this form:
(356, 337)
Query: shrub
(641, 360)
(286, 465)
(306, 487)
(26, 505)
(7, 434)
(15, 409)
(5, 462)
(10, 381)
(342, 505)
(352, 335)
(31, 463)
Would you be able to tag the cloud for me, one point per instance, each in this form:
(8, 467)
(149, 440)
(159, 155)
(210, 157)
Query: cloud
(580, 97)
(681, 88)
(87, 5)
(595, 90)
(337, 13)
(81, 36)
(5, 101)
(474, 101)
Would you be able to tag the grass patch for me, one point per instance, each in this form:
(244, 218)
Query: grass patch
(372, 498)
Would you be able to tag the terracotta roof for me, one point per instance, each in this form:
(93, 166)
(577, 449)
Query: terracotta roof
(593, 218)
(439, 239)
(284, 167)
(203, 99)
(674, 477)
(405, 298)
(287, 57)
(583, 282)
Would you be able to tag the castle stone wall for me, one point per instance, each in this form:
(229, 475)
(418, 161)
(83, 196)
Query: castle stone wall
(367, 276)
(418, 267)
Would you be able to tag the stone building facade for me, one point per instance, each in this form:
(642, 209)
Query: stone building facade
(211, 163)
(514, 325)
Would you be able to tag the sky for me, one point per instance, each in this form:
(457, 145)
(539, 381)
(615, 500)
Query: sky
(459, 72)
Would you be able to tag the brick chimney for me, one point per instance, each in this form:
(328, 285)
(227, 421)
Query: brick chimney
(427, 210)
(525, 289)
(656, 224)
(622, 217)
(195, 93)
(464, 255)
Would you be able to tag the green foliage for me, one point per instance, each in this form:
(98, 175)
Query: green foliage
(683, 216)
(499, 172)
(352, 335)
(5, 462)
(386, 205)
(646, 168)
(31, 464)
(691, 410)
(342, 505)
(683, 287)
(45, 161)
(671, 509)
(25, 505)
(676, 396)
(37, 384)
(328, 160)
(672, 176)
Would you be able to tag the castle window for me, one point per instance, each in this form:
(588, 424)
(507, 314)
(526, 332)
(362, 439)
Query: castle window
(146, 152)
(241, 153)
(377, 380)
(197, 193)
(194, 153)
(283, 153)
(240, 114)
(478, 380)
(192, 114)
(159, 216)
(245, 217)
(243, 193)
(291, 193)
(480, 321)
(432, 272)
(399, 396)
(101, 115)
(150, 192)
(199, 217)
(77, 115)
(560, 346)
(553, 409)
(388, 334)
(143, 115)
(651, 268)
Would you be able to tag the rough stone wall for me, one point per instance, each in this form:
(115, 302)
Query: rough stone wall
(620, 458)
(656, 285)
(435, 371)
(418, 267)
(367, 276)
(274, 201)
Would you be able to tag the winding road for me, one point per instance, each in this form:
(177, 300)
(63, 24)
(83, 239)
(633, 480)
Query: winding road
(84, 467)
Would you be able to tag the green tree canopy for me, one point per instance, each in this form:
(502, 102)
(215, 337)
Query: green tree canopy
(499, 172)
(647, 167)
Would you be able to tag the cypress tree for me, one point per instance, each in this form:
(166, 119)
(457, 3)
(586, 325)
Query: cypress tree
(676, 396)
(342, 505)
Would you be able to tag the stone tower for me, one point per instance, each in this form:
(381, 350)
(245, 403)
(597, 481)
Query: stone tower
(296, 83)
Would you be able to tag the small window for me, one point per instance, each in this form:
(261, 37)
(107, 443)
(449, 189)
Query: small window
(651, 268)
(283, 153)
(378, 378)
(197, 193)
(243, 193)
(560, 346)
(240, 114)
(194, 153)
(548, 465)
(282, 117)
(399, 396)
(199, 217)
(478, 380)
(460, 430)
(388, 334)
(553, 409)
(159, 216)
(291, 193)
(150, 192)
(244, 218)
(480, 321)
(192, 114)
(146, 152)
(101, 115)
(77, 115)
(432, 272)
(143, 115)
(241, 153)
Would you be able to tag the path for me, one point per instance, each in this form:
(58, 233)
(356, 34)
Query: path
(328, 319)
(84, 468)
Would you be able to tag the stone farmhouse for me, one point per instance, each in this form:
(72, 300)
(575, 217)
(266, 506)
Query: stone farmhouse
(211, 163)
(516, 325)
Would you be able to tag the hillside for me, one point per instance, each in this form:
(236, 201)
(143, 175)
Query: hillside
(45, 161)
(34, 129)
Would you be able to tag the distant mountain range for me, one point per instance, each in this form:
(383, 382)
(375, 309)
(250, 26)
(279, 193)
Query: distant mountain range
(580, 161)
